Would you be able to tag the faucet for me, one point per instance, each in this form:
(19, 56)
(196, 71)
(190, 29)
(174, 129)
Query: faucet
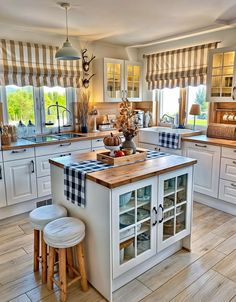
(58, 113)
(166, 117)
(63, 118)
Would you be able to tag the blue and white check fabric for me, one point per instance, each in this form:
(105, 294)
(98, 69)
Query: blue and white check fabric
(75, 177)
(169, 140)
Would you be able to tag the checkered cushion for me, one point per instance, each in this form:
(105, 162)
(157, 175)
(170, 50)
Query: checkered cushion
(169, 140)
(75, 177)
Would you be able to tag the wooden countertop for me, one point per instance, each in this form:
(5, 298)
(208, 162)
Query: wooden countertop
(23, 143)
(117, 176)
(211, 141)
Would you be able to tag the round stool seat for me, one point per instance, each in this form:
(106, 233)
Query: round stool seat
(41, 216)
(64, 232)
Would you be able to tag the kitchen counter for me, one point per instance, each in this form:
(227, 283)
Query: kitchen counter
(117, 176)
(23, 143)
(211, 141)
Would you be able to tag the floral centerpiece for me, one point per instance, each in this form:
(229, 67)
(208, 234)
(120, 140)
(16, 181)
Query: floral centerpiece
(127, 124)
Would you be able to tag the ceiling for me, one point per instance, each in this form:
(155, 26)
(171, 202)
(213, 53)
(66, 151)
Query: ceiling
(124, 22)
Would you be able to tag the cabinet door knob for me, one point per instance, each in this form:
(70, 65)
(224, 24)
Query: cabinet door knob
(162, 210)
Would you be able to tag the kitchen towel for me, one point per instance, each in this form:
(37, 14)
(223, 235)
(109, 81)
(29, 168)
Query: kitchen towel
(169, 140)
(75, 177)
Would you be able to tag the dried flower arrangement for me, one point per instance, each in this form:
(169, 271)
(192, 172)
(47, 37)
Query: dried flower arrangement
(126, 122)
(83, 109)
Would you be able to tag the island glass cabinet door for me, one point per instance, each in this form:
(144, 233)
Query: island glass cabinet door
(133, 224)
(175, 207)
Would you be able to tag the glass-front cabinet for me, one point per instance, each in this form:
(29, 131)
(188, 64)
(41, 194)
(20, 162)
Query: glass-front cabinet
(175, 204)
(221, 75)
(122, 79)
(134, 224)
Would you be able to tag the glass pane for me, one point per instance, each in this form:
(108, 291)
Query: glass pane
(143, 212)
(215, 91)
(144, 195)
(169, 214)
(117, 69)
(217, 60)
(182, 195)
(216, 82)
(169, 102)
(127, 201)
(169, 201)
(180, 218)
(130, 70)
(226, 92)
(136, 90)
(144, 236)
(20, 104)
(217, 71)
(136, 73)
(51, 96)
(169, 186)
(229, 58)
(127, 250)
(228, 70)
(110, 68)
(227, 82)
(127, 219)
(168, 229)
(182, 181)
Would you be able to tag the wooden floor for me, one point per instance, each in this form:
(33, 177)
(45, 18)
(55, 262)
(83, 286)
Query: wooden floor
(206, 274)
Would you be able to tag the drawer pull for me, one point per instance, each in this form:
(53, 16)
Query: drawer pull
(18, 151)
(99, 140)
(32, 166)
(68, 154)
(233, 185)
(202, 146)
(234, 162)
(1, 172)
(64, 145)
(157, 149)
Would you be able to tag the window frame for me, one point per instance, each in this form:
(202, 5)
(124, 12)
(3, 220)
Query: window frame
(39, 109)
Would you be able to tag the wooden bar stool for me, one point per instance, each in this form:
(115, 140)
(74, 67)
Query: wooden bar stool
(39, 218)
(61, 236)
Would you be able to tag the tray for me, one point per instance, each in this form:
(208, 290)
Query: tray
(140, 155)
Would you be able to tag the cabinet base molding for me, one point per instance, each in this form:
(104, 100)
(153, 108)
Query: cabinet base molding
(215, 203)
(148, 264)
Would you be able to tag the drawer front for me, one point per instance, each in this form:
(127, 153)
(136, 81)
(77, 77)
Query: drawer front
(44, 186)
(228, 169)
(201, 146)
(18, 154)
(97, 143)
(42, 163)
(227, 191)
(229, 152)
(63, 147)
(160, 149)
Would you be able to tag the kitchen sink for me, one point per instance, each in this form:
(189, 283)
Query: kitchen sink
(61, 136)
(52, 137)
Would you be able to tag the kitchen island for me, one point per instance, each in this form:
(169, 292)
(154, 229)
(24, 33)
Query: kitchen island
(136, 215)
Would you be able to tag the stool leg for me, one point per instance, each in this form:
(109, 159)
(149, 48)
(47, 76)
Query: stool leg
(51, 261)
(44, 259)
(62, 274)
(69, 258)
(80, 255)
(36, 250)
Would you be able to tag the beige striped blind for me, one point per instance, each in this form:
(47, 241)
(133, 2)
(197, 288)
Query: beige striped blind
(178, 68)
(33, 64)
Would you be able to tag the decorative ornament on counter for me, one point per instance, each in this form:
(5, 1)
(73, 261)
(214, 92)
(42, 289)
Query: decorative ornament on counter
(112, 142)
(127, 124)
(83, 107)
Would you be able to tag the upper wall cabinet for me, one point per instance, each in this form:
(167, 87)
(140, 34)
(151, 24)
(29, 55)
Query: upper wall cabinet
(221, 75)
(117, 79)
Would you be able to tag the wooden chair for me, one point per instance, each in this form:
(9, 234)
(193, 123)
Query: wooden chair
(63, 236)
(39, 218)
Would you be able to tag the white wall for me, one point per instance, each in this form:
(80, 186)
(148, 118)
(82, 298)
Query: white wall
(227, 38)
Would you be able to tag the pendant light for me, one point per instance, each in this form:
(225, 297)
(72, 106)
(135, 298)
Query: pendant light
(67, 52)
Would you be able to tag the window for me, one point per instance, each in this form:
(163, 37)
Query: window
(20, 104)
(197, 95)
(169, 101)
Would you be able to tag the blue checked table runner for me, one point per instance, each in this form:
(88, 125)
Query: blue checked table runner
(169, 140)
(75, 177)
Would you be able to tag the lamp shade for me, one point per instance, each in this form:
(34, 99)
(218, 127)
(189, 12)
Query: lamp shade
(67, 52)
(195, 109)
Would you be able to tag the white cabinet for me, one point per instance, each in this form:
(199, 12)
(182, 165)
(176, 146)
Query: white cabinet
(227, 191)
(20, 180)
(44, 186)
(228, 169)
(221, 75)
(117, 79)
(174, 207)
(207, 169)
(133, 224)
(3, 202)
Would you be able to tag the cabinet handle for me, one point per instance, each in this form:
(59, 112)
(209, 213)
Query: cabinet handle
(64, 145)
(18, 151)
(157, 149)
(68, 154)
(202, 146)
(1, 172)
(162, 210)
(234, 162)
(233, 185)
(155, 213)
(99, 140)
(32, 166)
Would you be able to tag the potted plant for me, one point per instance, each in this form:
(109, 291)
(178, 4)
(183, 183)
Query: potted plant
(83, 108)
(127, 124)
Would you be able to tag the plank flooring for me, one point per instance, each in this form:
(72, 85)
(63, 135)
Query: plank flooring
(208, 273)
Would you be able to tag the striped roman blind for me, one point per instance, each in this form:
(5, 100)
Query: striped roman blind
(178, 68)
(34, 64)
